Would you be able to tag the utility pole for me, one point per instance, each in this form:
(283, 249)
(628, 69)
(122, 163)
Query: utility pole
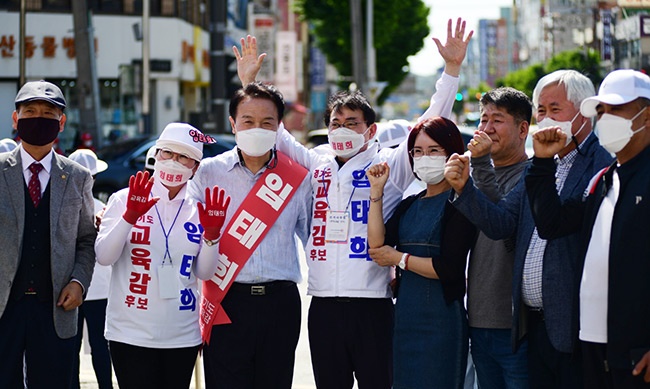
(218, 64)
(356, 28)
(370, 44)
(87, 84)
(146, 104)
(21, 45)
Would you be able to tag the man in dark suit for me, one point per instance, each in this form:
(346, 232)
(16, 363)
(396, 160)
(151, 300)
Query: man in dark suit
(47, 255)
(545, 271)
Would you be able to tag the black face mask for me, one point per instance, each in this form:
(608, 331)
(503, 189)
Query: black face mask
(38, 131)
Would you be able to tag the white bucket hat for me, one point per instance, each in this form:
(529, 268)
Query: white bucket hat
(88, 159)
(7, 144)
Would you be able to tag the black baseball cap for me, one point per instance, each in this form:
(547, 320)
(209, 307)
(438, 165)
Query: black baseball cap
(40, 90)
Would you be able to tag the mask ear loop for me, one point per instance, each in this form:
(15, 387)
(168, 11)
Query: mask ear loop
(573, 136)
(365, 142)
(636, 116)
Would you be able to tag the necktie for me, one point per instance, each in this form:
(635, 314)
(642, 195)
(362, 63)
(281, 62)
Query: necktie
(34, 186)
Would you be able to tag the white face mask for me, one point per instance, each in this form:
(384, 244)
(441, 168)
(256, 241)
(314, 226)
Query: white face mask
(430, 168)
(614, 132)
(171, 173)
(564, 126)
(255, 142)
(346, 143)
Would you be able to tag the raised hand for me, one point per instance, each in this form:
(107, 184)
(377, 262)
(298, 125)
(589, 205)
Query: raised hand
(457, 172)
(212, 215)
(548, 141)
(455, 48)
(378, 175)
(138, 201)
(248, 62)
(480, 145)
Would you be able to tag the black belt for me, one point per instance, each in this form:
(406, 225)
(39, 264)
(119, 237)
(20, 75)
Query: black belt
(260, 289)
(349, 299)
(535, 313)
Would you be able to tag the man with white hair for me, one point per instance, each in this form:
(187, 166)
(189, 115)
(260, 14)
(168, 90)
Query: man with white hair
(544, 272)
(612, 226)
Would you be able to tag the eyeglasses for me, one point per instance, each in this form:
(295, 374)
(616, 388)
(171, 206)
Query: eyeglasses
(183, 159)
(351, 125)
(432, 151)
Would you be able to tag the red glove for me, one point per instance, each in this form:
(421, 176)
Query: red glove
(212, 215)
(138, 202)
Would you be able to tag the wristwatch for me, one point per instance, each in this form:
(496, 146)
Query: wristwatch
(211, 243)
(402, 262)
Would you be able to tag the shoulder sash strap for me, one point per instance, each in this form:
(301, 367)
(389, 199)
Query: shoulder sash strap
(245, 231)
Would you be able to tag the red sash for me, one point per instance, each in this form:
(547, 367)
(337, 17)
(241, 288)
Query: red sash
(245, 231)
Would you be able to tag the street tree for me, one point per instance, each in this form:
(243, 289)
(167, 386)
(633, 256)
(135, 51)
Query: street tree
(587, 63)
(399, 31)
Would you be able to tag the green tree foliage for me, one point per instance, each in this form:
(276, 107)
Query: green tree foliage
(587, 64)
(523, 79)
(399, 30)
(526, 79)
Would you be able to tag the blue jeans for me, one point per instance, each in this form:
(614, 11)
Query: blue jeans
(496, 365)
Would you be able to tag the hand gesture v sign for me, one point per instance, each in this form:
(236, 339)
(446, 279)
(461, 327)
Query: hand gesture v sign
(248, 62)
(455, 48)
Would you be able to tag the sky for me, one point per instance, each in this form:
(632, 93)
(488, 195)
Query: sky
(427, 60)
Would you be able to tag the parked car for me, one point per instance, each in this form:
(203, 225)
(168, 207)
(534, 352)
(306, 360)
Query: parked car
(127, 157)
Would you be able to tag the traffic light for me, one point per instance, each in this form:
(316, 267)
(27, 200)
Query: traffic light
(459, 96)
(233, 84)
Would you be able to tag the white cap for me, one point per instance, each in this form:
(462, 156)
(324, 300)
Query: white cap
(7, 144)
(88, 159)
(182, 138)
(150, 159)
(392, 133)
(619, 87)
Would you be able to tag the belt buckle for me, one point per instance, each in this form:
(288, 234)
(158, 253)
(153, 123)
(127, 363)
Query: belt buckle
(30, 292)
(258, 290)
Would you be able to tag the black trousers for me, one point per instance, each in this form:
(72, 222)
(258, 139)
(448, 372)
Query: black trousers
(152, 368)
(596, 376)
(351, 337)
(93, 312)
(27, 329)
(547, 367)
(257, 350)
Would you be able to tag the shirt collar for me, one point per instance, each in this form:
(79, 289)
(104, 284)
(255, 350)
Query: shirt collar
(27, 160)
(235, 158)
